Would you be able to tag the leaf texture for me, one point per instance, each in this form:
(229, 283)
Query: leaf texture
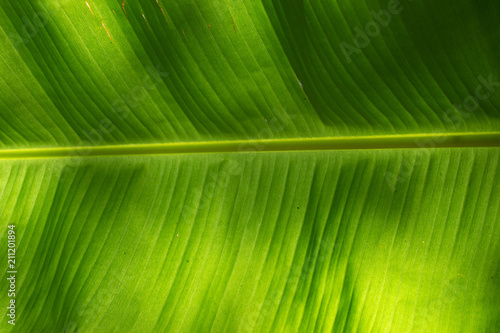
(197, 71)
(319, 241)
(238, 166)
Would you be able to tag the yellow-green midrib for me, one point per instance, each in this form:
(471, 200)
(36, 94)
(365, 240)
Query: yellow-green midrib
(414, 141)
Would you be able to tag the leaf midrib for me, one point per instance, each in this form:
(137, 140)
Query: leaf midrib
(413, 141)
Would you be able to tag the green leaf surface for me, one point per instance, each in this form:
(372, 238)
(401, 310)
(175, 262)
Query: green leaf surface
(283, 241)
(245, 166)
